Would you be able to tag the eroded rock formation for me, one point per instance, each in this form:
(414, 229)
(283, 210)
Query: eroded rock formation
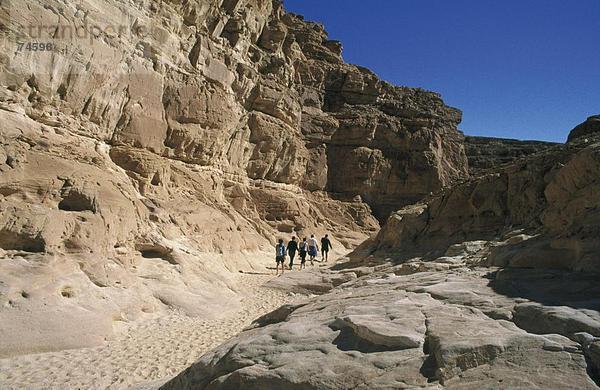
(550, 197)
(478, 286)
(484, 153)
(160, 146)
(156, 146)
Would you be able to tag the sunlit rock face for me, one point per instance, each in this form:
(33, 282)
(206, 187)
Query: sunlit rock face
(149, 148)
(435, 324)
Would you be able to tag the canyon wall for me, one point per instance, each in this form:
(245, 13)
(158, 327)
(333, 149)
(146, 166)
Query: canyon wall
(241, 86)
(148, 149)
(547, 203)
(491, 283)
(155, 148)
(484, 153)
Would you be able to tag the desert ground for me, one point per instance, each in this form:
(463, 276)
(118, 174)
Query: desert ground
(144, 355)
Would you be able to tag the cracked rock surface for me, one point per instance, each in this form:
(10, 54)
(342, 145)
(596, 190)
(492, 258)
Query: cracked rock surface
(455, 329)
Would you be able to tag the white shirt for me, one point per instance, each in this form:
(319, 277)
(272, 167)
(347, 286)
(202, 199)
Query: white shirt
(312, 242)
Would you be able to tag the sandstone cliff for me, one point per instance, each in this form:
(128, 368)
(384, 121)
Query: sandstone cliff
(157, 146)
(484, 153)
(475, 287)
(549, 200)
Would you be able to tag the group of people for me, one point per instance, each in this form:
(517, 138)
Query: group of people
(307, 247)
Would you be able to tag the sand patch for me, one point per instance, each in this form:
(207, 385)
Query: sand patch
(143, 355)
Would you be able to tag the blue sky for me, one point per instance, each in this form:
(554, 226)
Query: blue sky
(526, 69)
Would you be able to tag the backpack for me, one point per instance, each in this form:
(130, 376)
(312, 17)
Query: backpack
(280, 250)
(303, 246)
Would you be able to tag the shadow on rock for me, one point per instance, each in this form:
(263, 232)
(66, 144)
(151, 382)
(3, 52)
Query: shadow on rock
(549, 287)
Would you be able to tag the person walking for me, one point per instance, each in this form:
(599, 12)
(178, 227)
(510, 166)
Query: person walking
(280, 251)
(325, 247)
(313, 249)
(303, 251)
(291, 250)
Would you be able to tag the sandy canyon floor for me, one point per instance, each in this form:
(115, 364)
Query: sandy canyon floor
(144, 355)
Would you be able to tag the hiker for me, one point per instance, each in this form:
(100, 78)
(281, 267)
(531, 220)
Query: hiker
(280, 256)
(291, 249)
(313, 249)
(325, 247)
(303, 251)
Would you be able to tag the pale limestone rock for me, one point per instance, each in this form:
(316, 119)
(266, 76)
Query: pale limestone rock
(425, 330)
(311, 281)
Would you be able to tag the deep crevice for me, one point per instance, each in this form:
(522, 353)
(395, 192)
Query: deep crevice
(276, 316)
(155, 180)
(76, 201)
(429, 367)
(154, 251)
(592, 370)
(348, 340)
(19, 241)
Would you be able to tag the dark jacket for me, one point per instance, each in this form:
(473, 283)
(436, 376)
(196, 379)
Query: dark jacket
(292, 247)
(325, 244)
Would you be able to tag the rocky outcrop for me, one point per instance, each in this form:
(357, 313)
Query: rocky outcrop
(551, 197)
(455, 328)
(152, 147)
(96, 235)
(484, 153)
(241, 86)
(425, 307)
(588, 128)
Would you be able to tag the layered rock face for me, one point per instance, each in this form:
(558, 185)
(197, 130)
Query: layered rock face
(242, 86)
(476, 287)
(484, 153)
(427, 307)
(155, 146)
(551, 198)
